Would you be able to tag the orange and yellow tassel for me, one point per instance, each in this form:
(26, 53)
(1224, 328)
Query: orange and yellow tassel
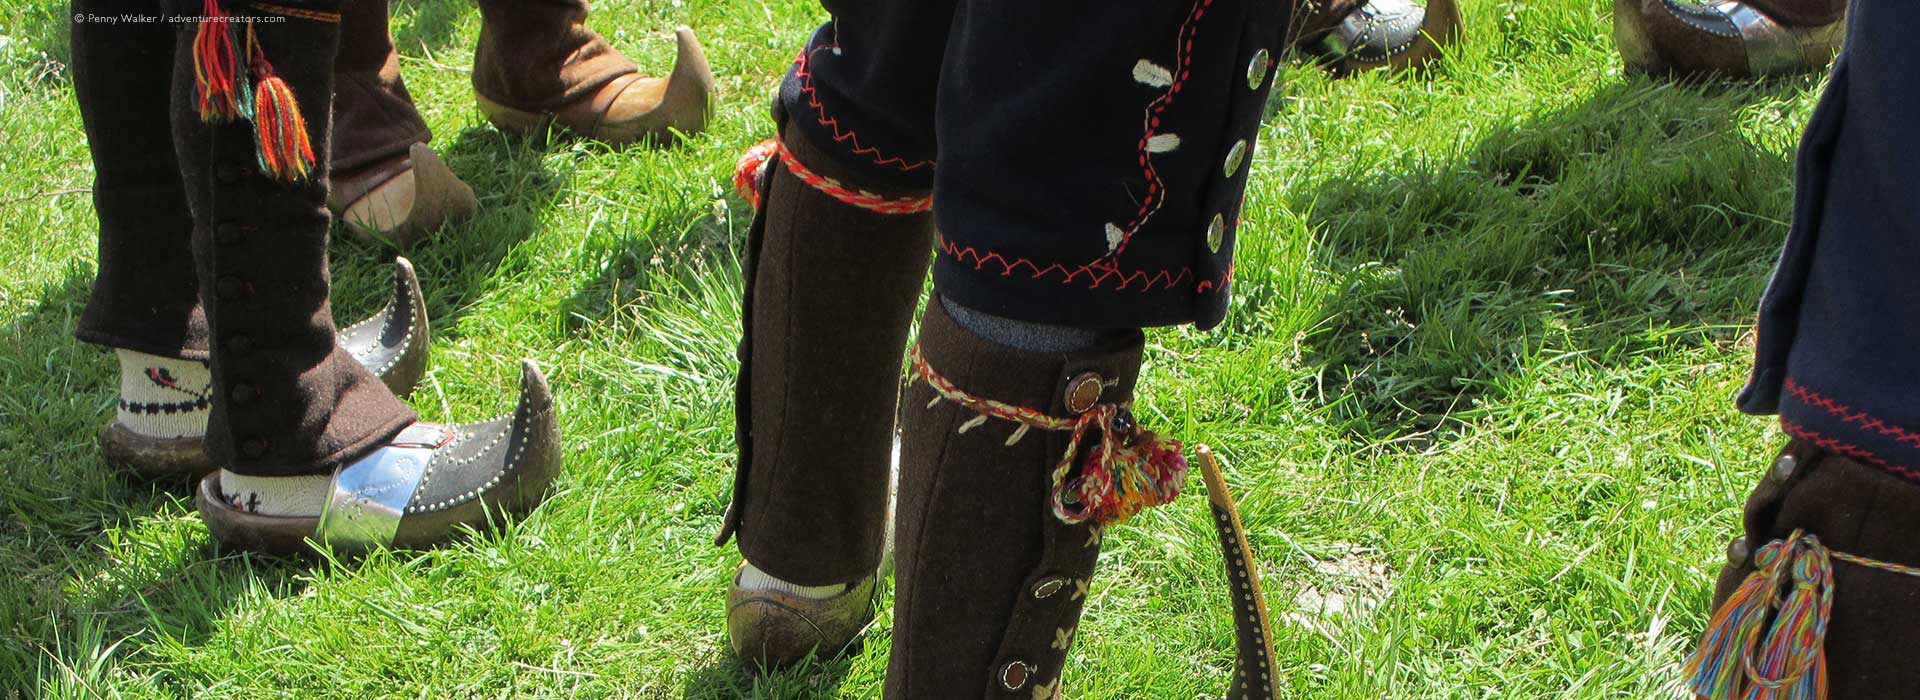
(215, 68)
(225, 94)
(286, 152)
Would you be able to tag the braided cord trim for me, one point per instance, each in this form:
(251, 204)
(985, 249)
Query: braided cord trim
(749, 168)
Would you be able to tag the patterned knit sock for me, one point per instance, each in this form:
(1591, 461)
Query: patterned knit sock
(275, 495)
(753, 579)
(163, 397)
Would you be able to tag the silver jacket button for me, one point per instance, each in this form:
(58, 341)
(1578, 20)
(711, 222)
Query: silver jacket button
(1216, 232)
(1235, 156)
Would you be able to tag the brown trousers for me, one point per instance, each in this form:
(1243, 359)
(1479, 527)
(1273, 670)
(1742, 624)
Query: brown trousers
(203, 257)
(533, 54)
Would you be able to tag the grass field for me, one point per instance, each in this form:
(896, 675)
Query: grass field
(1475, 389)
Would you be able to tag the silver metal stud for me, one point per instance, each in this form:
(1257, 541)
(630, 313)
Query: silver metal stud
(1738, 551)
(1783, 469)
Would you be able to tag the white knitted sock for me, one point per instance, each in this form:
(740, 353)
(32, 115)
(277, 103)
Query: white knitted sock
(753, 579)
(163, 397)
(303, 496)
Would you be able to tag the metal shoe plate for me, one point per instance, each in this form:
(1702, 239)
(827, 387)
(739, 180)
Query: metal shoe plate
(371, 496)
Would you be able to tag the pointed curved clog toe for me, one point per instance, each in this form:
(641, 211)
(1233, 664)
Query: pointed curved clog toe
(423, 488)
(394, 342)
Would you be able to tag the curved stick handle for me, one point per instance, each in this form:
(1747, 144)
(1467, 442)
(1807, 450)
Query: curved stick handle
(1255, 675)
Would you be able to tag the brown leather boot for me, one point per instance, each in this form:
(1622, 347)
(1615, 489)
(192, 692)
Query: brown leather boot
(1728, 38)
(403, 199)
(1352, 36)
(538, 63)
(1011, 463)
(834, 270)
(1818, 523)
(387, 183)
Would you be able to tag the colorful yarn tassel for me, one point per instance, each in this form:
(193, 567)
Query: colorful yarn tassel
(226, 92)
(1767, 642)
(1129, 471)
(750, 168)
(280, 132)
(216, 66)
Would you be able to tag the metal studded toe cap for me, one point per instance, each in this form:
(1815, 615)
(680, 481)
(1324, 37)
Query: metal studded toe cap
(507, 461)
(1378, 30)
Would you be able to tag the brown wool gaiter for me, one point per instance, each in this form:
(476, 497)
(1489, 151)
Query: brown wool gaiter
(990, 583)
(831, 290)
(538, 55)
(287, 400)
(374, 118)
(145, 298)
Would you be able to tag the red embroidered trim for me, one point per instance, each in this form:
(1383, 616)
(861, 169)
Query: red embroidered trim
(840, 135)
(1205, 286)
(1846, 413)
(856, 197)
(1183, 60)
(1096, 273)
(1849, 450)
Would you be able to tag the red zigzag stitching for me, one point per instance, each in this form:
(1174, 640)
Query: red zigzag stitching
(1097, 276)
(844, 135)
(1850, 450)
(1848, 414)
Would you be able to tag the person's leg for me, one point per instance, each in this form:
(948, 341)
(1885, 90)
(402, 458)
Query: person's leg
(374, 116)
(1728, 38)
(1092, 164)
(1838, 365)
(310, 442)
(145, 302)
(537, 61)
(386, 181)
(838, 254)
(287, 400)
(145, 298)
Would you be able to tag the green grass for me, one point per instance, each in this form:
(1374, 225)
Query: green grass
(1475, 390)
